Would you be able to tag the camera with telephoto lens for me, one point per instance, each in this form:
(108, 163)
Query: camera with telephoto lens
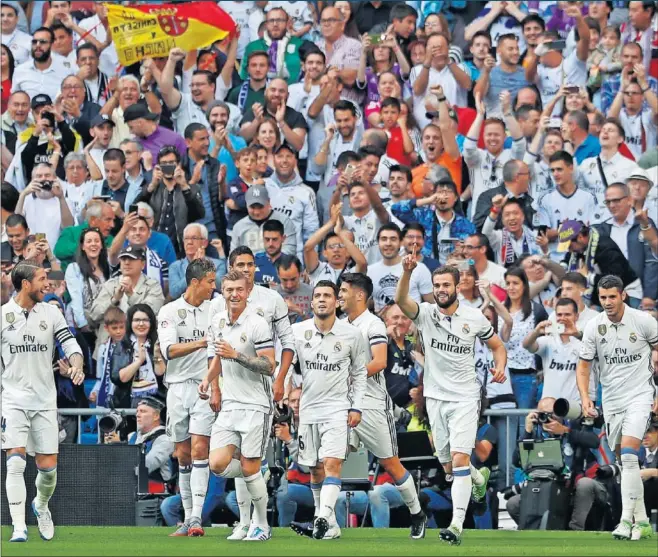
(573, 410)
(544, 417)
(608, 471)
(512, 490)
(282, 416)
(46, 185)
(110, 423)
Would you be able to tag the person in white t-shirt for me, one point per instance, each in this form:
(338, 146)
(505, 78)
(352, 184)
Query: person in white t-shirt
(549, 69)
(476, 247)
(622, 339)
(437, 69)
(558, 346)
(386, 273)
(573, 286)
(16, 40)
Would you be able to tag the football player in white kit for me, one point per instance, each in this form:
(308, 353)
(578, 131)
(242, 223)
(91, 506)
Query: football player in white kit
(270, 305)
(621, 338)
(332, 359)
(30, 329)
(182, 328)
(242, 351)
(377, 428)
(450, 385)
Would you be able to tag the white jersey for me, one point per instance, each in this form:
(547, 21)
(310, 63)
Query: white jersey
(28, 343)
(324, 271)
(499, 395)
(242, 389)
(385, 280)
(486, 171)
(180, 322)
(240, 12)
(617, 169)
(541, 179)
(373, 331)
(634, 126)
(365, 234)
(624, 353)
(571, 70)
(333, 367)
(584, 317)
(448, 342)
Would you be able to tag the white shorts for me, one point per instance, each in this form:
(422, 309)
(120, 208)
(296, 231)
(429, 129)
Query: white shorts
(248, 430)
(377, 432)
(187, 413)
(320, 441)
(454, 426)
(37, 431)
(633, 422)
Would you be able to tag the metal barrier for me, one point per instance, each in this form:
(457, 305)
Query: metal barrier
(505, 413)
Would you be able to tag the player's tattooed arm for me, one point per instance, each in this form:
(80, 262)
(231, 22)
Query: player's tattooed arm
(76, 369)
(257, 364)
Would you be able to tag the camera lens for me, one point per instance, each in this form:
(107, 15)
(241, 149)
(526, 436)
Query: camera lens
(46, 185)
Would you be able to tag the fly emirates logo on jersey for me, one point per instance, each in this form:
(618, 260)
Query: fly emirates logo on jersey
(29, 346)
(621, 356)
(321, 362)
(452, 344)
(197, 334)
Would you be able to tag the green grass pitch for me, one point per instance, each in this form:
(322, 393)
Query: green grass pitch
(154, 541)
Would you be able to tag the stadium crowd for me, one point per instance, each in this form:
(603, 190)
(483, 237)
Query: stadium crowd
(514, 140)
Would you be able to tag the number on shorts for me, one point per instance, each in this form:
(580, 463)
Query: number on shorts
(301, 443)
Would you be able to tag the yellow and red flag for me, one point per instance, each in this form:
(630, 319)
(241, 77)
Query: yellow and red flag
(152, 30)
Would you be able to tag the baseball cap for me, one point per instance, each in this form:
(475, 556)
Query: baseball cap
(285, 145)
(101, 119)
(257, 195)
(640, 174)
(136, 111)
(133, 252)
(568, 231)
(40, 100)
(152, 402)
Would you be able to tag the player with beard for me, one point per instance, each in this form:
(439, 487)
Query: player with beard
(30, 331)
(448, 331)
(332, 357)
(377, 428)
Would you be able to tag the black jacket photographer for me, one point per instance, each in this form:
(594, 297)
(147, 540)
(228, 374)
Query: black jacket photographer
(577, 442)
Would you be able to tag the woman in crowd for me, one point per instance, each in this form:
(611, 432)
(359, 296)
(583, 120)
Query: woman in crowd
(137, 364)
(75, 190)
(7, 66)
(525, 317)
(469, 293)
(85, 276)
(268, 136)
(351, 30)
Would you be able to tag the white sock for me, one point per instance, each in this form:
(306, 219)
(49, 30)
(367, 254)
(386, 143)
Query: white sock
(233, 470)
(184, 476)
(243, 498)
(328, 496)
(199, 486)
(631, 484)
(476, 476)
(46, 482)
(16, 492)
(316, 489)
(461, 494)
(407, 489)
(258, 492)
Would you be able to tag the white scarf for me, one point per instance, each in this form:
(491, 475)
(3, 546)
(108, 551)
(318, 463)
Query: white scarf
(145, 382)
(281, 70)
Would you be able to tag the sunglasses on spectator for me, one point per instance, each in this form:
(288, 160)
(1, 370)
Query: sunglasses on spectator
(40, 41)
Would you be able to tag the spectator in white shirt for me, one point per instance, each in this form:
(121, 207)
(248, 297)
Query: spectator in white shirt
(44, 205)
(17, 41)
(63, 50)
(76, 187)
(639, 122)
(437, 69)
(41, 74)
(573, 286)
(615, 166)
(477, 248)
(549, 69)
(550, 141)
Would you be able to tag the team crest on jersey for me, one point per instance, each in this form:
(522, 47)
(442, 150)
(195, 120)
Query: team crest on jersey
(370, 226)
(338, 347)
(222, 322)
(10, 317)
(182, 313)
(603, 330)
(632, 337)
(43, 325)
(291, 200)
(243, 338)
(308, 335)
(466, 329)
(260, 312)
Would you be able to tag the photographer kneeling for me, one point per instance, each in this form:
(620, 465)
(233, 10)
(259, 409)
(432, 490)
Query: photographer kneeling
(577, 442)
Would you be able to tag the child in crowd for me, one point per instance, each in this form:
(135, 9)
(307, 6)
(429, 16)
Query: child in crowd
(114, 322)
(605, 60)
(394, 122)
(245, 161)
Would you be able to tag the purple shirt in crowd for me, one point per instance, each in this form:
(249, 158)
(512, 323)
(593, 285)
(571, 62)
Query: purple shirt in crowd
(162, 137)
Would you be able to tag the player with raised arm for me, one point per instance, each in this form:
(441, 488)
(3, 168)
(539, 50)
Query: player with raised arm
(182, 328)
(242, 351)
(30, 331)
(332, 360)
(448, 330)
(621, 338)
(377, 428)
(270, 305)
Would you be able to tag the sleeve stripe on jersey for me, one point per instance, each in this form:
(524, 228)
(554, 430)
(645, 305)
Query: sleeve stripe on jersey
(378, 342)
(264, 344)
(378, 338)
(486, 336)
(63, 335)
(280, 318)
(586, 359)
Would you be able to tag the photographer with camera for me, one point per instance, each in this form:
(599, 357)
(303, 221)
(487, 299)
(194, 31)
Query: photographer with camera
(649, 468)
(577, 442)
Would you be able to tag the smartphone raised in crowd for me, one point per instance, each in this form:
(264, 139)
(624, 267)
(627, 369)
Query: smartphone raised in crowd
(556, 45)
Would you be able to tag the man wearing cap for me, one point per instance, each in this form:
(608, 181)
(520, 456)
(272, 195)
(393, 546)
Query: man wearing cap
(249, 230)
(291, 197)
(143, 124)
(593, 255)
(643, 192)
(131, 287)
(41, 73)
(101, 130)
(18, 42)
(151, 433)
(633, 233)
